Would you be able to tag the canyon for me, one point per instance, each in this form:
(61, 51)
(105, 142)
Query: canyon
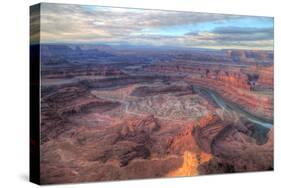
(115, 114)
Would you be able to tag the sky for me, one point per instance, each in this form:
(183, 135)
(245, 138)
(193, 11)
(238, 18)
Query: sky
(88, 24)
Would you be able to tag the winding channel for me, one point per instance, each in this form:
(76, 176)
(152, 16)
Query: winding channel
(230, 107)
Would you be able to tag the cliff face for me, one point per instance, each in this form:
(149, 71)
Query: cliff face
(64, 102)
(235, 151)
(240, 85)
(229, 79)
(249, 56)
(233, 147)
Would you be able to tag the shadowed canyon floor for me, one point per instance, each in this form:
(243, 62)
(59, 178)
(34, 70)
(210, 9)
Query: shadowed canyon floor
(183, 117)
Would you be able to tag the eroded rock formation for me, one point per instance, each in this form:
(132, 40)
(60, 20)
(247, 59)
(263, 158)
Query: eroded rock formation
(183, 114)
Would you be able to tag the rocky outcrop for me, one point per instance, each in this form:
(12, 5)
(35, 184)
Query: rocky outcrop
(140, 127)
(204, 136)
(233, 150)
(249, 56)
(187, 139)
(126, 148)
(68, 101)
(229, 79)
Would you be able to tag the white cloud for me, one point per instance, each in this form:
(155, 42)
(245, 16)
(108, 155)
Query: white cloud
(92, 24)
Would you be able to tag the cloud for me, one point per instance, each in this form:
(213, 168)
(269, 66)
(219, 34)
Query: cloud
(239, 37)
(244, 33)
(61, 23)
(59, 19)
